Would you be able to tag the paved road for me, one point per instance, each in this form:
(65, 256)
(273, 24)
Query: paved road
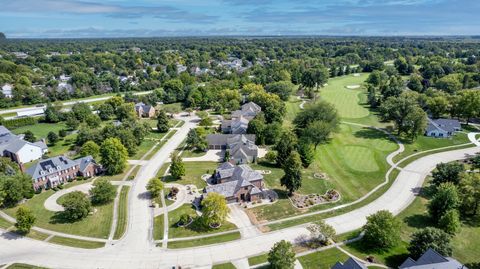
(68, 103)
(136, 250)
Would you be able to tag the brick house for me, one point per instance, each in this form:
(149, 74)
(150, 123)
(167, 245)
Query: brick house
(144, 111)
(241, 147)
(54, 171)
(237, 183)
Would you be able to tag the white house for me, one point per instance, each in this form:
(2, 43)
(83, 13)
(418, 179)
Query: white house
(7, 90)
(19, 150)
(442, 127)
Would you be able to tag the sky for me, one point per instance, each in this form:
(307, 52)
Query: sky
(156, 18)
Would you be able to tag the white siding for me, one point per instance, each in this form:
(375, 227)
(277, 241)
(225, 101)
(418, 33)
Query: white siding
(29, 153)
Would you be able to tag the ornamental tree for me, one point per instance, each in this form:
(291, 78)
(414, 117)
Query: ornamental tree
(429, 237)
(292, 180)
(25, 219)
(214, 209)
(113, 156)
(76, 206)
(282, 256)
(382, 230)
(102, 192)
(155, 186)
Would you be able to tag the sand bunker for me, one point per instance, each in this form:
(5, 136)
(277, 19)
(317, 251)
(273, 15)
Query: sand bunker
(351, 87)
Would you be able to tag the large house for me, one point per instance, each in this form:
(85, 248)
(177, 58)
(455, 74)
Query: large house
(432, 260)
(349, 264)
(442, 127)
(237, 183)
(240, 119)
(20, 151)
(241, 147)
(7, 90)
(54, 171)
(144, 111)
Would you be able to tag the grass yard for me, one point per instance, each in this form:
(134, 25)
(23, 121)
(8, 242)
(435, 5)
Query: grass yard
(122, 213)
(193, 173)
(95, 225)
(194, 228)
(146, 145)
(23, 266)
(70, 242)
(354, 161)
(423, 143)
(322, 259)
(40, 130)
(205, 241)
(258, 259)
(158, 228)
(4, 224)
(224, 266)
(118, 177)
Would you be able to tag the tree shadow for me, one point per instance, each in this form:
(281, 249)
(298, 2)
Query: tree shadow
(61, 218)
(418, 221)
(369, 133)
(396, 260)
(267, 164)
(473, 265)
(144, 196)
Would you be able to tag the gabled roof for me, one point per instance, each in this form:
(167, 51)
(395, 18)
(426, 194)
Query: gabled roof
(443, 125)
(240, 176)
(50, 166)
(349, 264)
(84, 162)
(431, 259)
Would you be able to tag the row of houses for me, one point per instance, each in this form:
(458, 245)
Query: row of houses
(46, 173)
(431, 259)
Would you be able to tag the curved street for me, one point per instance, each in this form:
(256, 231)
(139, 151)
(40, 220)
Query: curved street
(137, 250)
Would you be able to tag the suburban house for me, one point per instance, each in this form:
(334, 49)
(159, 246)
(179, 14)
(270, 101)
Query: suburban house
(442, 127)
(349, 264)
(20, 151)
(7, 90)
(240, 118)
(144, 111)
(432, 260)
(238, 183)
(54, 171)
(241, 147)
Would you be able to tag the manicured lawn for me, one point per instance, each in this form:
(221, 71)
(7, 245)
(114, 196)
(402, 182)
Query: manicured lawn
(40, 130)
(292, 109)
(423, 143)
(95, 225)
(4, 224)
(224, 266)
(120, 176)
(63, 146)
(354, 161)
(194, 228)
(205, 241)
(76, 242)
(143, 149)
(193, 173)
(122, 213)
(37, 235)
(257, 259)
(322, 259)
(24, 266)
(158, 228)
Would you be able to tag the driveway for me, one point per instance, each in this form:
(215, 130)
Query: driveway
(136, 251)
(238, 217)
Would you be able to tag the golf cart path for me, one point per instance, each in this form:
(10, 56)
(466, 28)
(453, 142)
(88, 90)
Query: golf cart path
(125, 254)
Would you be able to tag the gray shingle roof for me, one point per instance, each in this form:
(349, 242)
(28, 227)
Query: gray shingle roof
(50, 166)
(238, 177)
(349, 264)
(84, 162)
(445, 125)
(432, 260)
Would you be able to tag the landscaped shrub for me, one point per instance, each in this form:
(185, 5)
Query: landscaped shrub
(20, 122)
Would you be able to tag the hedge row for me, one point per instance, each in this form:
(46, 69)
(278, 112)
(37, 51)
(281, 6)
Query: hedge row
(20, 122)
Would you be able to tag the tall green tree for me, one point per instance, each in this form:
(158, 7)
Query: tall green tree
(162, 121)
(113, 156)
(102, 192)
(433, 238)
(155, 186)
(76, 206)
(445, 199)
(450, 222)
(382, 230)
(469, 188)
(25, 219)
(448, 172)
(90, 148)
(282, 256)
(292, 180)
(306, 151)
(177, 168)
(214, 209)
(286, 144)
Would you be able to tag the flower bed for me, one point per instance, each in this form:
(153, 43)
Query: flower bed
(306, 201)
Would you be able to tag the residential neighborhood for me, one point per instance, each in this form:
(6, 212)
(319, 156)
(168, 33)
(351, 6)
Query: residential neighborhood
(239, 134)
